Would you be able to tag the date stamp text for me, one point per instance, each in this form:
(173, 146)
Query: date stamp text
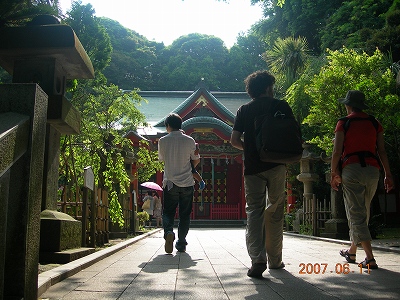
(324, 268)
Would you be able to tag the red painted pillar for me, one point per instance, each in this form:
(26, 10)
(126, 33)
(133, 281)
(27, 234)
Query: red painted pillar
(242, 191)
(159, 178)
(134, 184)
(291, 199)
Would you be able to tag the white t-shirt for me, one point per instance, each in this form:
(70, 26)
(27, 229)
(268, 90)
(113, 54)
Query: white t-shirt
(176, 149)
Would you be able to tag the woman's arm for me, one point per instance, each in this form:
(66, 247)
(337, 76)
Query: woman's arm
(336, 178)
(388, 181)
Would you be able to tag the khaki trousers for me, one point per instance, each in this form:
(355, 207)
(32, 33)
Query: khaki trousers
(359, 187)
(265, 199)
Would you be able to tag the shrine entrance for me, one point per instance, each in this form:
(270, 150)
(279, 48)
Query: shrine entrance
(221, 198)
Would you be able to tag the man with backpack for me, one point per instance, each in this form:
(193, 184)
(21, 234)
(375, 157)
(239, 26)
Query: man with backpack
(264, 182)
(358, 152)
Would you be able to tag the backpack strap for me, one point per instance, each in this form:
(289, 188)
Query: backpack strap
(348, 121)
(361, 156)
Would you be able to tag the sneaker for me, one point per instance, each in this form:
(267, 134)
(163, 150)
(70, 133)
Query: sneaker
(256, 270)
(169, 242)
(181, 247)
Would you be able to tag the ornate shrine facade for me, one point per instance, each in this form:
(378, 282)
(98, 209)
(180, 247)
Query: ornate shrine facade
(210, 123)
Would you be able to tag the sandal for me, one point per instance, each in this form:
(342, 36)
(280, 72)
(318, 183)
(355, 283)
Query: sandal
(346, 255)
(366, 263)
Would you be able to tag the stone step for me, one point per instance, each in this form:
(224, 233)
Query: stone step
(65, 256)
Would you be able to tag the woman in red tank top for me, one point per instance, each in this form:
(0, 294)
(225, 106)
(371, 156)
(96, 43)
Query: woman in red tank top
(355, 165)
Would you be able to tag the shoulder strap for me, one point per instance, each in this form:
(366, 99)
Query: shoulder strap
(374, 121)
(274, 109)
(348, 120)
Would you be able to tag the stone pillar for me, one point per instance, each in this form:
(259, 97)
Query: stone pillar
(307, 175)
(23, 109)
(337, 227)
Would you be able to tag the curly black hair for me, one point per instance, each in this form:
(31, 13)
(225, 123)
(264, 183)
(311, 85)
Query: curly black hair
(257, 82)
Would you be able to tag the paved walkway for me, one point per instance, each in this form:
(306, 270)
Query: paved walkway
(215, 267)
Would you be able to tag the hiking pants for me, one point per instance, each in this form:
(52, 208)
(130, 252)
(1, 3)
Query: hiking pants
(265, 199)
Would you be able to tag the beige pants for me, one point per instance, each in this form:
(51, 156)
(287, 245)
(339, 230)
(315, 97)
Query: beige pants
(265, 199)
(359, 187)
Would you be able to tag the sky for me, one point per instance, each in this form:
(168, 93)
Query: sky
(167, 20)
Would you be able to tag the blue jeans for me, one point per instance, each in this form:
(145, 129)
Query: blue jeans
(182, 197)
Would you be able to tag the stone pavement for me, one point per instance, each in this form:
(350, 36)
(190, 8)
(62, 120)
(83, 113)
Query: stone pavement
(215, 266)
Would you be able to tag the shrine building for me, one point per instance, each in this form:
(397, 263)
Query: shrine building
(210, 123)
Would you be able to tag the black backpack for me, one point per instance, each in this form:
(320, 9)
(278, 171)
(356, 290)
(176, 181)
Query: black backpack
(361, 154)
(278, 137)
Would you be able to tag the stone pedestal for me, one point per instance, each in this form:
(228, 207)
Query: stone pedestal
(59, 241)
(336, 229)
(58, 231)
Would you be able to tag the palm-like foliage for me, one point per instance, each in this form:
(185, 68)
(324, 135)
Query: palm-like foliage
(288, 57)
(18, 12)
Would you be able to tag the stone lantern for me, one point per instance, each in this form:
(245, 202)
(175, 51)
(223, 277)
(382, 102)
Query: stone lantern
(46, 53)
(307, 176)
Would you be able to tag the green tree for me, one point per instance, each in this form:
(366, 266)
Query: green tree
(134, 60)
(295, 18)
(107, 114)
(19, 12)
(347, 26)
(299, 101)
(147, 160)
(345, 70)
(386, 39)
(91, 34)
(288, 58)
(244, 58)
(191, 58)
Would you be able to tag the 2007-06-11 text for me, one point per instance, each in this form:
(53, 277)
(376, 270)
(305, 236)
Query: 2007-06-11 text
(322, 268)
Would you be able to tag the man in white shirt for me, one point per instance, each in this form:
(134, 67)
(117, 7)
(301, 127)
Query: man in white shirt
(176, 149)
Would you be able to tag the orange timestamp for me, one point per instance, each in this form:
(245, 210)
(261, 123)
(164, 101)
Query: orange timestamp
(322, 268)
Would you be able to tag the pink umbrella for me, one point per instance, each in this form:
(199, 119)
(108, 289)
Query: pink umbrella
(152, 186)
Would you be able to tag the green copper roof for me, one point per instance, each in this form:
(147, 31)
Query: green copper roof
(183, 106)
(199, 122)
